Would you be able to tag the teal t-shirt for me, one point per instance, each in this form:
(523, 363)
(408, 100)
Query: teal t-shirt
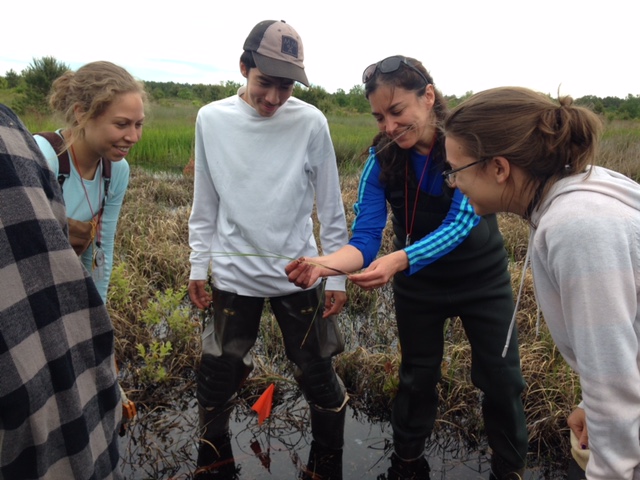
(83, 199)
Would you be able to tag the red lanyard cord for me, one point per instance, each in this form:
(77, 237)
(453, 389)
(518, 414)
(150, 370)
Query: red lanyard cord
(98, 222)
(409, 227)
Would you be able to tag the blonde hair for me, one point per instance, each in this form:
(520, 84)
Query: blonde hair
(92, 88)
(547, 139)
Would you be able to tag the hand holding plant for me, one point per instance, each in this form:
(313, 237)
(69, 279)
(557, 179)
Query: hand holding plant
(381, 270)
(304, 272)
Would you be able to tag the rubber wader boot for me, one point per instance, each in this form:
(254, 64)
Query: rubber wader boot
(417, 469)
(575, 471)
(215, 456)
(501, 470)
(218, 463)
(324, 464)
(325, 457)
(409, 451)
(327, 426)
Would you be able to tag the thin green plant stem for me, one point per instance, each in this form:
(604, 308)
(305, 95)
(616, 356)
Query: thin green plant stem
(241, 254)
(271, 255)
(315, 314)
(341, 272)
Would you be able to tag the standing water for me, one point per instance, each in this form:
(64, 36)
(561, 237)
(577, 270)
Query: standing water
(162, 441)
(279, 448)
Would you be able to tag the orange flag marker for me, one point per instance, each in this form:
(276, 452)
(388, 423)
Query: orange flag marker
(263, 404)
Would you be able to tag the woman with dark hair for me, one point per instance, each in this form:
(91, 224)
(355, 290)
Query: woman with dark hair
(447, 262)
(515, 150)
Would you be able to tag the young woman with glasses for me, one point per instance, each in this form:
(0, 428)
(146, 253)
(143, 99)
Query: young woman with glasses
(448, 262)
(585, 226)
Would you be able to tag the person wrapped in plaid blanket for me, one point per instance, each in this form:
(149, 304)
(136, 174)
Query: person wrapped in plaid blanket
(59, 399)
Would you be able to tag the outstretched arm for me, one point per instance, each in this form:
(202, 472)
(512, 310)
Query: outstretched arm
(381, 270)
(305, 272)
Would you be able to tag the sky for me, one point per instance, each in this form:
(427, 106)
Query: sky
(565, 47)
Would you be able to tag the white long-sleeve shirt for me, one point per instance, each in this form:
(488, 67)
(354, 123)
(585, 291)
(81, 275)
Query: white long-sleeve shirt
(585, 257)
(256, 179)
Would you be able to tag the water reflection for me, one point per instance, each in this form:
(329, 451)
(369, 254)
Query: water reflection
(163, 445)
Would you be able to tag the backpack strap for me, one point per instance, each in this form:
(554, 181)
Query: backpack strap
(57, 142)
(64, 165)
(106, 174)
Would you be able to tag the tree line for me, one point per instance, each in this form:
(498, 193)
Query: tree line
(31, 87)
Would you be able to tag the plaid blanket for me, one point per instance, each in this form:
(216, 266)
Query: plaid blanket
(59, 400)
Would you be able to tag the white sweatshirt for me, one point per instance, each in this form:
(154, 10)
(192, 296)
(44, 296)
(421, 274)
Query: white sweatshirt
(585, 257)
(256, 179)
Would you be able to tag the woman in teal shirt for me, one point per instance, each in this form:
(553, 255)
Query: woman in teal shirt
(103, 106)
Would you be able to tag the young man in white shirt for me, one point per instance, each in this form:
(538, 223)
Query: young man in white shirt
(263, 159)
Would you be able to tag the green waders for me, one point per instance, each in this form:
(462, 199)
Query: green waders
(310, 343)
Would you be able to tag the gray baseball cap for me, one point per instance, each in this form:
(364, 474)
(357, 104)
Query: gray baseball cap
(277, 50)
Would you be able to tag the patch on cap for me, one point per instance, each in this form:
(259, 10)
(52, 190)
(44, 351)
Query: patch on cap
(289, 46)
(277, 50)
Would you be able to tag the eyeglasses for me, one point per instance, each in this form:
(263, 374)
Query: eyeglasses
(450, 175)
(390, 65)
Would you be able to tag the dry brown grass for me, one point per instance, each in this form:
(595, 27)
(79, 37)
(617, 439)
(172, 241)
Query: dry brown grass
(152, 255)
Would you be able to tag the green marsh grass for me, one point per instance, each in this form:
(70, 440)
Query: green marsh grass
(351, 135)
(168, 136)
(621, 148)
(37, 122)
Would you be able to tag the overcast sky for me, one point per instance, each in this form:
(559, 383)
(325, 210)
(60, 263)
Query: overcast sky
(575, 47)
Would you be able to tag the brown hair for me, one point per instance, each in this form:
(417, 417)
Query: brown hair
(247, 60)
(93, 87)
(548, 139)
(392, 158)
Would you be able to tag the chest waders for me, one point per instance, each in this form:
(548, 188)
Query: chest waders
(471, 282)
(310, 343)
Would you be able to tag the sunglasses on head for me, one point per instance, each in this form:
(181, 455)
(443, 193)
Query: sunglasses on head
(390, 65)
